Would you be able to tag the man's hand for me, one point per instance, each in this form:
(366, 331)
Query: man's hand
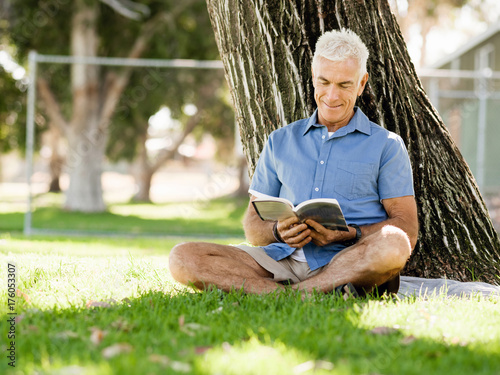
(293, 233)
(322, 236)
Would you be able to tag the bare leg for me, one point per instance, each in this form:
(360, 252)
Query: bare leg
(226, 267)
(372, 261)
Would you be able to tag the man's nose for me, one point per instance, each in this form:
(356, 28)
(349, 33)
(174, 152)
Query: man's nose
(332, 93)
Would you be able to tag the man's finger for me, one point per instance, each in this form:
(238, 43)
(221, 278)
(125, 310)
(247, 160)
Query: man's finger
(303, 243)
(316, 226)
(295, 229)
(285, 229)
(288, 222)
(293, 237)
(300, 244)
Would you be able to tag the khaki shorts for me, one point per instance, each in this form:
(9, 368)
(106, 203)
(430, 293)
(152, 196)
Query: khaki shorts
(292, 271)
(287, 270)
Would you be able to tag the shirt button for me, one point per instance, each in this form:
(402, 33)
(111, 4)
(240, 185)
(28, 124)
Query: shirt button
(322, 162)
(316, 189)
(323, 136)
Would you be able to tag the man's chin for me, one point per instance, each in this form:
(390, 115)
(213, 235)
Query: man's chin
(333, 115)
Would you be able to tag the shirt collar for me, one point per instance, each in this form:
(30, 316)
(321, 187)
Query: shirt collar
(358, 122)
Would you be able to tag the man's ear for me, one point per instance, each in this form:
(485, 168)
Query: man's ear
(362, 84)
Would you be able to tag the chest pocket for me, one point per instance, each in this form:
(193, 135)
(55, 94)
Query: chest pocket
(354, 179)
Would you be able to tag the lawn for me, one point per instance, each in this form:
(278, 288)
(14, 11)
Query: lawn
(206, 218)
(107, 305)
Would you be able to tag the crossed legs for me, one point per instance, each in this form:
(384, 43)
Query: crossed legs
(204, 265)
(372, 261)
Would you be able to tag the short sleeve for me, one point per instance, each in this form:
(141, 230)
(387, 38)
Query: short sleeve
(265, 179)
(395, 175)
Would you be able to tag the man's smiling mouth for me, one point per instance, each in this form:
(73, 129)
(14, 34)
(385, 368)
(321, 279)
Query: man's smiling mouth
(333, 106)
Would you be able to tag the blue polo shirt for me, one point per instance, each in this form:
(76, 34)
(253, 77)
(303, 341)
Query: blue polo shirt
(359, 165)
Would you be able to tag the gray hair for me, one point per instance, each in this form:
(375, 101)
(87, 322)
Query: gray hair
(340, 45)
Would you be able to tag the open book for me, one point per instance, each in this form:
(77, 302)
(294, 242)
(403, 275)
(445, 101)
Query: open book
(325, 211)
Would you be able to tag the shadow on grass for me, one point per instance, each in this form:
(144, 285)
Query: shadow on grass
(212, 332)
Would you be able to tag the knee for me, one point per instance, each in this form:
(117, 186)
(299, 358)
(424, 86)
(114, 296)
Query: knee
(396, 244)
(178, 262)
(388, 248)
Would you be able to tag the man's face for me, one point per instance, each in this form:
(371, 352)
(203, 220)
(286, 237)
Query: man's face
(337, 84)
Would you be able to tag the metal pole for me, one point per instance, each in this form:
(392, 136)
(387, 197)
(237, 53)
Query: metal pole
(125, 61)
(481, 135)
(483, 95)
(30, 136)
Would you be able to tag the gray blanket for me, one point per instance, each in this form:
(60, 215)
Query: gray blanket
(418, 286)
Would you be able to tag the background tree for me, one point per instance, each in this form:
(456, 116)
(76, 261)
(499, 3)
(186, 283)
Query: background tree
(202, 89)
(267, 48)
(83, 109)
(55, 106)
(190, 36)
(12, 112)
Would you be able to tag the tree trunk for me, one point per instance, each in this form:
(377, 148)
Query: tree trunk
(267, 48)
(145, 173)
(143, 187)
(242, 177)
(85, 158)
(86, 135)
(57, 159)
(54, 185)
(94, 101)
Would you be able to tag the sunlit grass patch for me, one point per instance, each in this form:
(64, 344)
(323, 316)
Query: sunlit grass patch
(255, 357)
(64, 281)
(450, 320)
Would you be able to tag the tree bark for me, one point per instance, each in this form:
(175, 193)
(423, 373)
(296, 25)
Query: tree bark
(267, 48)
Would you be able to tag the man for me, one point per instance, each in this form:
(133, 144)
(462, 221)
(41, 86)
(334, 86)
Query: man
(336, 153)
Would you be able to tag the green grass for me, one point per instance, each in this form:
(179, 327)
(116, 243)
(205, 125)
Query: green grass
(217, 217)
(109, 306)
(162, 327)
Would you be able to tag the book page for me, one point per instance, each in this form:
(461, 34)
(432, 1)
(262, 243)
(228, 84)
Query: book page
(326, 212)
(275, 209)
(316, 200)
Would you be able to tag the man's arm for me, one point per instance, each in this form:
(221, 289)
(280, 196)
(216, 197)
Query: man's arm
(402, 212)
(260, 233)
(257, 231)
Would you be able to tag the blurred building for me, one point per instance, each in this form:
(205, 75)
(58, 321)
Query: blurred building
(465, 88)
